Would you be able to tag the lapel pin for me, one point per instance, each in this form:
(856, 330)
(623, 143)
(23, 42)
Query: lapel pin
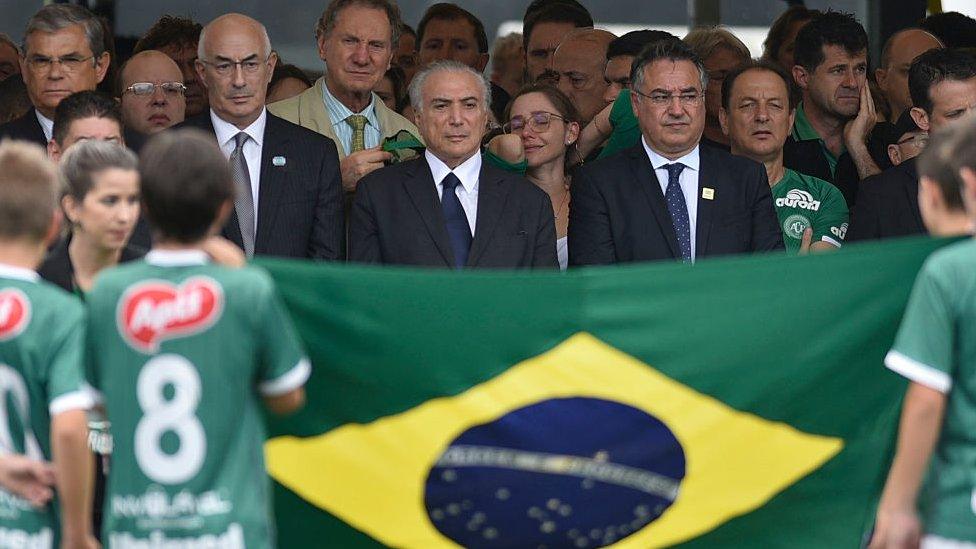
(279, 161)
(708, 193)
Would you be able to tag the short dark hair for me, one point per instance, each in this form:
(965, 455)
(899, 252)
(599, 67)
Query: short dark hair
(185, 181)
(327, 21)
(445, 11)
(634, 41)
(780, 29)
(283, 71)
(953, 28)
(14, 100)
(831, 28)
(935, 66)
(672, 50)
(29, 185)
(948, 152)
(83, 104)
(555, 12)
(406, 29)
(170, 30)
(399, 80)
(762, 65)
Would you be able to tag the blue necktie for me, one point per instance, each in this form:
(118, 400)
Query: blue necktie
(678, 210)
(457, 223)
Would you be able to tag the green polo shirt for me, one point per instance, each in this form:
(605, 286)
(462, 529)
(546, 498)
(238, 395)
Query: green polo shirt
(803, 131)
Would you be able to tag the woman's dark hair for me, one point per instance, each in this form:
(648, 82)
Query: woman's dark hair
(399, 80)
(780, 30)
(564, 107)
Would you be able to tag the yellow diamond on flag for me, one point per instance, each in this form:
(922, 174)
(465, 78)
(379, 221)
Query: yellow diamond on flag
(582, 446)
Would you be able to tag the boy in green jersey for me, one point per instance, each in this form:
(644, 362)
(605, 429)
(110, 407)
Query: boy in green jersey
(180, 349)
(43, 399)
(935, 349)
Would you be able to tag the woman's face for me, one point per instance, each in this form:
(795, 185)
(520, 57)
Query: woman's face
(384, 89)
(108, 213)
(544, 143)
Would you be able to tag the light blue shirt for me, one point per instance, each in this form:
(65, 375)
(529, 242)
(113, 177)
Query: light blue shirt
(688, 181)
(338, 113)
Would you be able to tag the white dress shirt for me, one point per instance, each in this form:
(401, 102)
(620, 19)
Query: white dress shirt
(467, 192)
(688, 181)
(252, 149)
(47, 125)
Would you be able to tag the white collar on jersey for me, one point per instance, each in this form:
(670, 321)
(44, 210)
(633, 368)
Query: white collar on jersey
(19, 273)
(177, 258)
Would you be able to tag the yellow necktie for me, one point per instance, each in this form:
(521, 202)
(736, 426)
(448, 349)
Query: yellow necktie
(358, 123)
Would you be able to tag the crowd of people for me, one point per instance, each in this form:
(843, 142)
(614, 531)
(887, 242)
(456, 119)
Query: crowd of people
(174, 167)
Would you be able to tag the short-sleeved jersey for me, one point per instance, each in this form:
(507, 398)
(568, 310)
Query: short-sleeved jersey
(804, 201)
(181, 351)
(42, 337)
(936, 347)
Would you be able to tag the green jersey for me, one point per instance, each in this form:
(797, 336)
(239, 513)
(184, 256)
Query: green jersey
(803, 201)
(936, 348)
(180, 351)
(42, 338)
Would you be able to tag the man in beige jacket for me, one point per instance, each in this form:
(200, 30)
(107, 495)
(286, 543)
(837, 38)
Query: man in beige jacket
(356, 39)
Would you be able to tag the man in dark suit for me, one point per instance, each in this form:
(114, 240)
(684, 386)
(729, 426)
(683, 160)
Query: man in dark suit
(942, 84)
(64, 53)
(288, 195)
(448, 208)
(669, 198)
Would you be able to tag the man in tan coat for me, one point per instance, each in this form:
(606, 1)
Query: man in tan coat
(356, 39)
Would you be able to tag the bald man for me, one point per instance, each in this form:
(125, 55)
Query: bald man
(578, 63)
(896, 57)
(153, 93)
(287, 177)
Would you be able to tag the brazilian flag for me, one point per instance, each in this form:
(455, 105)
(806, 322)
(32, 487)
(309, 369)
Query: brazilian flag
(737, 402)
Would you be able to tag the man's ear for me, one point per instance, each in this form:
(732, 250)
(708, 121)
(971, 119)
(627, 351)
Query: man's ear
(482, 62)
(968, 177)
(101, 66)
(881, 75)
(53, 150)
(894, 154)
(921, 119)
(801, 76)
(321, 45)
(200, 69)
(723, 119)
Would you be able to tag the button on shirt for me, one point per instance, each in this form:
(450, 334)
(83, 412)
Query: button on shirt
(252, 149)
(47, 125)
(338, 113)
(688, 181)
(467, 192)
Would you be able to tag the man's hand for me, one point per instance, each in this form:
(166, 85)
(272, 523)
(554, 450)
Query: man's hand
(358, 164)
(857, 129)
(27, 478)
(898, 530)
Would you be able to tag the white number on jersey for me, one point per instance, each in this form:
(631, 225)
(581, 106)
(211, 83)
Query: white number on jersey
(12, 386)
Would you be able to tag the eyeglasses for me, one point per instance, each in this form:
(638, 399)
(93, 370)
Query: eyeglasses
(537, 121)
(69, 63)
(142, 89)
(224, 68)
(919, 140)
(687, 99)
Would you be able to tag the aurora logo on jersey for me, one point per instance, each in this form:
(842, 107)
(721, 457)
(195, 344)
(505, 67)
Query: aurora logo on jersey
(156, 310)
(798, 199)
(15, 312)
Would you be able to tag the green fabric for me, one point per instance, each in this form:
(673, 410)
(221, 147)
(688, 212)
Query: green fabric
(42, 335)
(780, 339)
(935, 343)
(499, 162)
(180, 355)
(804, 131)
(804, 201)
(404, 146)
(626, 130)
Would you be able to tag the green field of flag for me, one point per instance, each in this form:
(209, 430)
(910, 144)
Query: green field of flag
(738, 402)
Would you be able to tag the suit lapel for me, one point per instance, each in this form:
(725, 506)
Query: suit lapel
(273, 179)
(492, 192)
(231, 230)
(703, 225)
(647, 180)
(419, 185)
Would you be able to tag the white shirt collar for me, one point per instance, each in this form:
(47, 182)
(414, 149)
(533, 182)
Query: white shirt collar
(468, 171)
(177, 258)
(18, 273)
(690, 160)
(47, 125)
(226, 131)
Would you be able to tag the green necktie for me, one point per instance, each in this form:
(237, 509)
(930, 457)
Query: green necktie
(358, 123)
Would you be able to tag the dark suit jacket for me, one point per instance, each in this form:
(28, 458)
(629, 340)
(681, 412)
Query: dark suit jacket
(617, 212)
(58, 269)
(25, 128)
(397, 219)
(299, 203)
(887, 205)
(807, 158)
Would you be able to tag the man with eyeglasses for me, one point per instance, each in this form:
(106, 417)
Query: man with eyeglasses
(63, 53)
(668, 197)
(152, 92)
(577, 66)
(942, 84)
(288, 200)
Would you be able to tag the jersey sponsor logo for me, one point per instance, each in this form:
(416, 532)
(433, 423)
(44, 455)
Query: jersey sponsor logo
(156, 310)
(231, 538)
(12, 537)
(839, 232)
(795, 225)
(15, 313)
(798, 199)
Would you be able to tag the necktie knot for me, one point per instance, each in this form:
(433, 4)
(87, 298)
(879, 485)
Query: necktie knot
(674, 170)
(450, 181)
(358, 124)
(357, 121)
(239, 140)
